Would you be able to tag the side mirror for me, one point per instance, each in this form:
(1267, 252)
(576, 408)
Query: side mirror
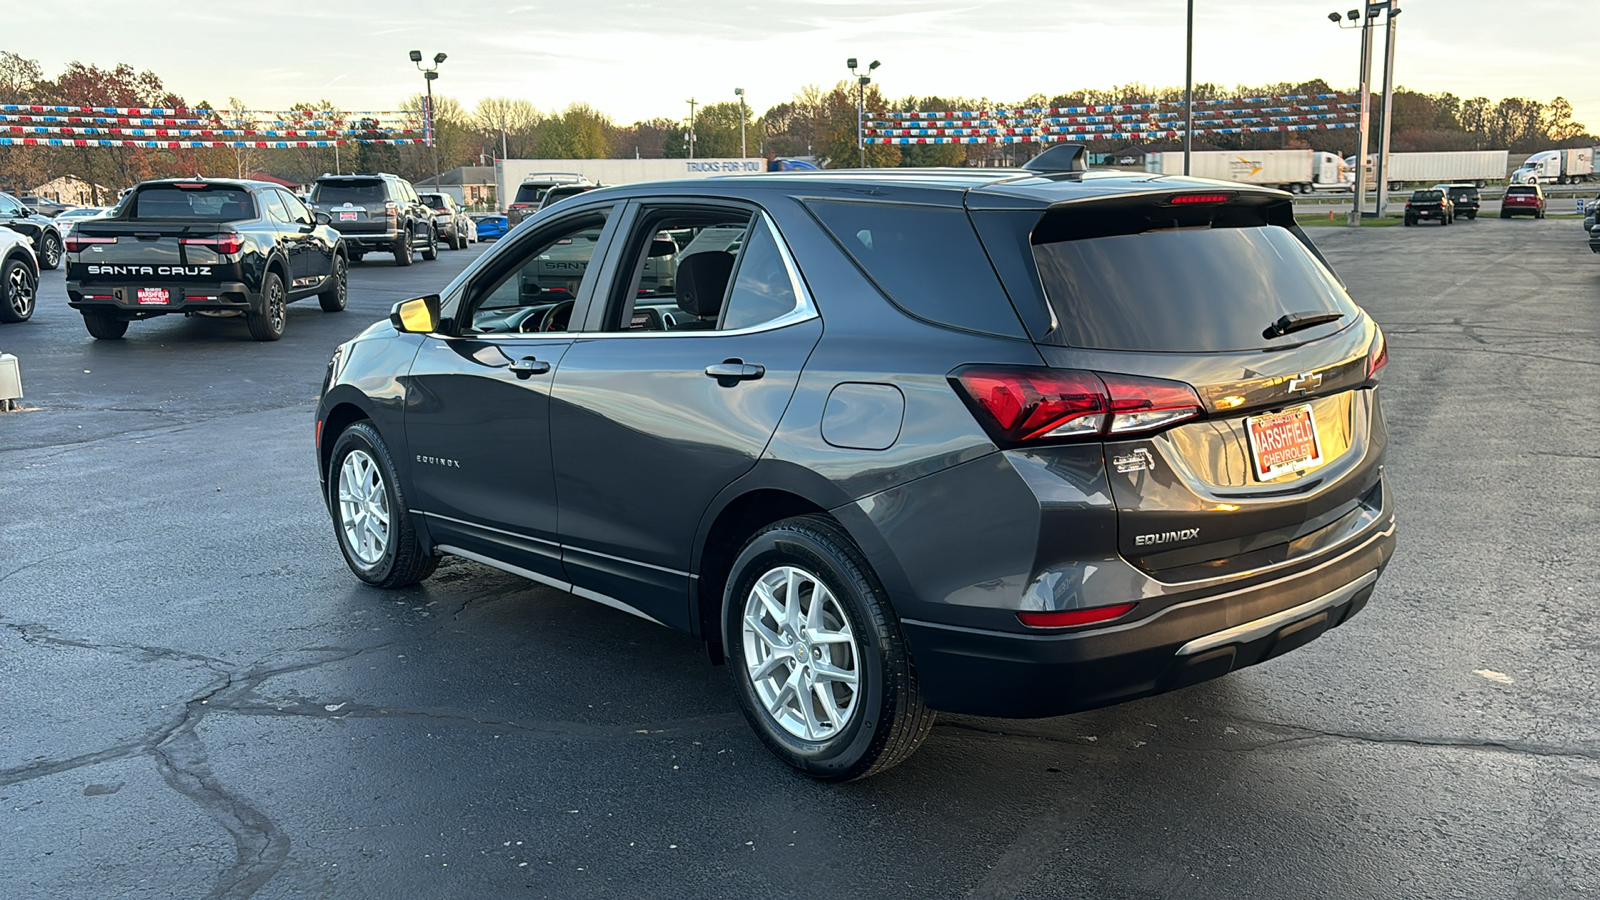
(662, 248)
(419, 315)
(323, 218)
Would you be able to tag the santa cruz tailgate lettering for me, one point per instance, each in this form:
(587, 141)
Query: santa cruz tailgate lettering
(198, 271)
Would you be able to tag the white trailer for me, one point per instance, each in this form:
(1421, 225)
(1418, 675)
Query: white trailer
(1477, 167)
(508, 173)
(1297, 171)
(1570, 166)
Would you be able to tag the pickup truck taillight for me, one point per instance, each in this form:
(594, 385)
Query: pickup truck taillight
(74, 243)
(222, 243)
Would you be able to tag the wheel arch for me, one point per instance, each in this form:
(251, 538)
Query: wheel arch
(344, 408)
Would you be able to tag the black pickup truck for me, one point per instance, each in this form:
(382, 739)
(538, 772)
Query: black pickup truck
(209, 247)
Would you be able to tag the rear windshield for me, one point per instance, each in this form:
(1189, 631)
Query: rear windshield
(531, 193)
(1520, 190)
(369, 190)
(435, 200)
(213, 203)
(1427, 196)
(1192, 290)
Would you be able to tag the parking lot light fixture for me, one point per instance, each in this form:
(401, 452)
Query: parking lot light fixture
(431, 119)
(862, 80)
(1359, 188)
(739, 92)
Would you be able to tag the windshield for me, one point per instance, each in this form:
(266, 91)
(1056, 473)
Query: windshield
(349, 191)
(210, 202)
(1188, 289)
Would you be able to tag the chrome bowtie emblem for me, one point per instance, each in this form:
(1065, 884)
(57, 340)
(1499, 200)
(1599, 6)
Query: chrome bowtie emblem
(1304, 382)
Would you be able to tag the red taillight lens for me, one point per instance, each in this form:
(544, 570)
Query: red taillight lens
(1183, 199)
(222, 243)
(73, 243)
(1052, 404)
(1377, 357)
(1069, 618)
(391, 210)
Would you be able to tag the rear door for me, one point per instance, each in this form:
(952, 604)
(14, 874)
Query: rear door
(1221, 293)
(671, 393)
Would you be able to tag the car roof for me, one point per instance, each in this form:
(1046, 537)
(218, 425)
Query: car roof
(224, 182)
(979, 188)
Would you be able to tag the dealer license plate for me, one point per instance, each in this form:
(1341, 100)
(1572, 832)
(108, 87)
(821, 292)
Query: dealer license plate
(347, 217)
(154, 297)
(1283, 442)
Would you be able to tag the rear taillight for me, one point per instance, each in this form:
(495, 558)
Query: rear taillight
(1072, 617)
(1377, 356)
(391, 210)
(74, 243)
(222, 243)
(1020, 405)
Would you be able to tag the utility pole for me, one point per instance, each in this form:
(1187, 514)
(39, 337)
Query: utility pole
(692, 105)
(1388, 106)
(1360, 186)
(740, 93)
(1188, 91)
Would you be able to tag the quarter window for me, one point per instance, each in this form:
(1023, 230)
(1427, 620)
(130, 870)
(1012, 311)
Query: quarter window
(762, 290)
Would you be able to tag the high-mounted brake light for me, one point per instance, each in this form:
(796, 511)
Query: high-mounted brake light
(1220, 197)
(1377, 356)
(1019, 405)
(74, 243)
(222, 243)
(1071, 617)
(190, 186)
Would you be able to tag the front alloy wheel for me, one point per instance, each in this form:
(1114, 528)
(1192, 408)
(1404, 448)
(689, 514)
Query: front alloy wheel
(800, 653)
(375, 532)
(363, 507)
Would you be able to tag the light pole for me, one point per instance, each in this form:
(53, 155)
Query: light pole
(1388, 106)
(692, 105)
(739, 92)
(862, 81)
(430, 120)
(1188, 90)
(1359, 187)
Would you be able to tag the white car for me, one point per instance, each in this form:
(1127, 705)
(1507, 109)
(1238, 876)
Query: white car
(71, 217)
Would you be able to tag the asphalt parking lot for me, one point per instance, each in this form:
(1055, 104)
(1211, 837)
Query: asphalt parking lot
(200, 701)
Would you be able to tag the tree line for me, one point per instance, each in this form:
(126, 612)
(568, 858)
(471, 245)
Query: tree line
(816, 122)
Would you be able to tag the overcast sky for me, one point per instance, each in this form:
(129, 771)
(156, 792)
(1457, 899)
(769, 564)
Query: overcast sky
(637, 60)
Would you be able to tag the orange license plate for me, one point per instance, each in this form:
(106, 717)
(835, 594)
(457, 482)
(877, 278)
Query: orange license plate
(1283, 442)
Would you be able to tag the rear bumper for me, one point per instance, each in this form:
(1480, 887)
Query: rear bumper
(185, 297)
(968, 670)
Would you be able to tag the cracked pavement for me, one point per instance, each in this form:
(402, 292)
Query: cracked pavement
(199, 701)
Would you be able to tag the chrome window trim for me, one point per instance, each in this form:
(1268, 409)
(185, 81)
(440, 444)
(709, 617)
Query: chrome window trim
(805, 308)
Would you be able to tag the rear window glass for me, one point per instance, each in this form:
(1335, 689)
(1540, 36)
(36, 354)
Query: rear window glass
(926, 259)
(1193, 290)
(1520, 190)
(214, 203)
(1427, 196)
(349, 191)
(530, 193)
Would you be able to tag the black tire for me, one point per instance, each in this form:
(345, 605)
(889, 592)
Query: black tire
(269, 323)
(357, 257)
(888, 719)
(403, 561)
(430, 250)
(334, 297)
(50, 251)
(1410, 221)
(402, 249)
(104, 326)
(19, 291)
(461, 241)
(1504, 214)
(1472, 217)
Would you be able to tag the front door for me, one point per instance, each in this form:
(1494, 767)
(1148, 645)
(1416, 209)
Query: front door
(670, 396)
(477, 412)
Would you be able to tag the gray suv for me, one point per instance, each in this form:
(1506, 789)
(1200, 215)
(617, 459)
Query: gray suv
(378, 212)
(997, 442)
(450, 222)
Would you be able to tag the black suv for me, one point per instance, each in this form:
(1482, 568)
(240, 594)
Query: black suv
(377, 212)
(1463, 198)
(207, 247)
(1430, 204)
(1068, 438)
(40, 230)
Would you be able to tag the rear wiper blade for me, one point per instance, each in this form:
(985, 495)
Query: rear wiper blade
(1290, 322)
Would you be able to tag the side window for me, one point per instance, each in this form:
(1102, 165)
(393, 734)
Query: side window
(297, 210)
(762, 289)
(8, 206)
(272, 204)
(533, 289)
(679, 266)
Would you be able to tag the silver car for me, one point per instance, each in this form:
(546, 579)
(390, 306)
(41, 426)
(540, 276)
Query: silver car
(451, 224)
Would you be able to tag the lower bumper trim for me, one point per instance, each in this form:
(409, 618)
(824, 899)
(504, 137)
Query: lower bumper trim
(1259, 628)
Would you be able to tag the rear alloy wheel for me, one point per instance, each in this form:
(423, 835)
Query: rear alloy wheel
(104, 326)
(430, 250)
(333, 298)
(50, 251)
(369, 513)
(402, 249)
(268, 324)
(18, 291)
(820, 667)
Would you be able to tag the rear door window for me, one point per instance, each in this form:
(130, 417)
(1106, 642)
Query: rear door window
(1189, 290)
(926, 259)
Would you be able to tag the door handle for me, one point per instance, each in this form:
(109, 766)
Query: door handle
(736, 369)
(528, 366)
